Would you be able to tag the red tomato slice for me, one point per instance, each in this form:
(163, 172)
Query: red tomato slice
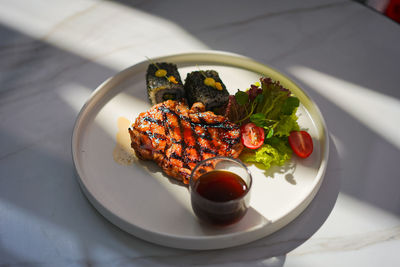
(301, 143)
(252, 135)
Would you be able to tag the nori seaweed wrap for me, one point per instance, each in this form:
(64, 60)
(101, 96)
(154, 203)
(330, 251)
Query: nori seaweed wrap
(163, 83)
(213, 95)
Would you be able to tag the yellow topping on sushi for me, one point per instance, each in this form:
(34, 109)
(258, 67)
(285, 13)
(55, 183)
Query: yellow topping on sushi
(172, 79)
(209, 82)
(161, 72)
(218, 85)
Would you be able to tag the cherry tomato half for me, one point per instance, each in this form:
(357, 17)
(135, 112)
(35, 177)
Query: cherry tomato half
(252, 135)
(301, 143)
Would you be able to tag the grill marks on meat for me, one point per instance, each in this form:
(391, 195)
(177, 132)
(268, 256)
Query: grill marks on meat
(177, 138)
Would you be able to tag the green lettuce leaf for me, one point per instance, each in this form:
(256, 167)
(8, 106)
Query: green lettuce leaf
(286, 124)
(275, 152)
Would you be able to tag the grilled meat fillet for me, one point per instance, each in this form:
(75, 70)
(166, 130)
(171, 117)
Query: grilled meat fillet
(177, 138)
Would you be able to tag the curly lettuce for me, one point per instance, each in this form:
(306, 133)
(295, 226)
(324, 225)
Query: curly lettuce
(275, 152)
(271, 106)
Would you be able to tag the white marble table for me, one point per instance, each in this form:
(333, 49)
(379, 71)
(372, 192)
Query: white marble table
(55, 53)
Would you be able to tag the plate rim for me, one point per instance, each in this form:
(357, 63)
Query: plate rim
(202, 243)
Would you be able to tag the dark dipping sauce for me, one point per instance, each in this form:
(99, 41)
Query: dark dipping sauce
(219, 199)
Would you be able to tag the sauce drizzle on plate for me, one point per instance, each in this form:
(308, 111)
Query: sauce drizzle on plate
(123, 154)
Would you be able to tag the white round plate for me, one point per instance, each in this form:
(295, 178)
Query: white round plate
(141, 200)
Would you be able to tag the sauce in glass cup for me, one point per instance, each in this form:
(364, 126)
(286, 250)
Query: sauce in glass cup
(220, 190)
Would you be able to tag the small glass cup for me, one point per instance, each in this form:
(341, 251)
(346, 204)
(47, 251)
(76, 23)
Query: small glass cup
(220, 190)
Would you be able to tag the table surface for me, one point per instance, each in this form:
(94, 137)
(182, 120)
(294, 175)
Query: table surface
(55, 53)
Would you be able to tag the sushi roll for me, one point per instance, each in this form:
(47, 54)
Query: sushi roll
(163, 83)
(206, 87)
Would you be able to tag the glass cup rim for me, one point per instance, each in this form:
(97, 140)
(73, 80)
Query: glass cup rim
(191, 182)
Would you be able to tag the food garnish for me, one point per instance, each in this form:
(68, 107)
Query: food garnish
(272, 107)
(274, 152)
(252, 136)
(301, 143)
(172, 79)
(218, 86)
(209, 81)
(161, 72)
